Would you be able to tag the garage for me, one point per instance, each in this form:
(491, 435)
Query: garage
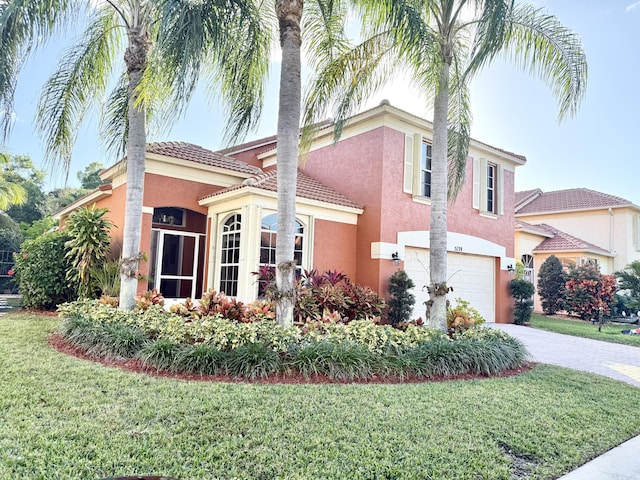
(471, 276)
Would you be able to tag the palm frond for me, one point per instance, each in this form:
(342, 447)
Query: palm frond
(538, 43)
(81, 76)
(24, 26)
(492, 28)
(229, 41)
(324, 35)
(459, 128)
(114, 125)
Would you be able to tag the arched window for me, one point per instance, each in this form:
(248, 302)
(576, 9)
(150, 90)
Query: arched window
(527, 260)
(268, 235)
(230, 255)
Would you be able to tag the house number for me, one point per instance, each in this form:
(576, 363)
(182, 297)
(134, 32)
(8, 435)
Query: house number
(457, 249)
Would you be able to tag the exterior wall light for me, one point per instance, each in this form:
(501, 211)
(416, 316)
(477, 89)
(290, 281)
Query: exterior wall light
(395, 257)
(510, 269)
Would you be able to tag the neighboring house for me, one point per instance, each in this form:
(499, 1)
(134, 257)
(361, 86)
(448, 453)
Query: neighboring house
(209, 218)
(579, 226)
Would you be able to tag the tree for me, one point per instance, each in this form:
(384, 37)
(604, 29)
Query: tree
(588, 292)
(443, 44)
(629, 282)
(90, 176)
(401, 301)
(20, 170)
(521, 291)
(551, 284)
(83, 76)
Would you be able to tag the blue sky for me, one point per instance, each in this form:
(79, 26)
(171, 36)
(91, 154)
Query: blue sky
(596, 149)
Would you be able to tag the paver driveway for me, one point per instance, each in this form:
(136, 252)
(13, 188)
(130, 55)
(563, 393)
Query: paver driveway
(621, 362)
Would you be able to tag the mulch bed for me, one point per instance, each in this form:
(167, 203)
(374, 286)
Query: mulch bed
(57, 342)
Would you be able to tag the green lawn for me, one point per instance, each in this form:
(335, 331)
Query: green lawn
(65, 418)
(611, 332)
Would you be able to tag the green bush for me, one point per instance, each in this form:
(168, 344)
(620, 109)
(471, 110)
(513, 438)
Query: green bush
(41, 272)
(462, 317)
(522, 291)
(87, 247)
(212, 344)
(401, 301)
(589, 293)
(551, 284)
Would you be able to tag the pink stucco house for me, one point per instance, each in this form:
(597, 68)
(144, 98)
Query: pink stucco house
(363, 207)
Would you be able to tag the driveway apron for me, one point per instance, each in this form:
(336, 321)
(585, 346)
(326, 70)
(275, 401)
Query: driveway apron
(620, 362)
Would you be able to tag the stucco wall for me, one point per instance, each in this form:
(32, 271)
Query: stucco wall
(334, 247)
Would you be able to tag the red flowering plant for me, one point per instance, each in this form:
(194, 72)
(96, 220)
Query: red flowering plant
(588, 292)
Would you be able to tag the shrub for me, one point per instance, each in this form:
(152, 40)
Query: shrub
(629, 282)
(201, 358)
(253, 360)
(551, 285)
(88, 246)
(106, 278)
(462, 317)
(522, 290)
(338, 360)
(588, 293)
(401, 301)
(41, 272)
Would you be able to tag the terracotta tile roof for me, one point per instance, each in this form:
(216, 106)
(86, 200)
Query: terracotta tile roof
(307, 187)
(526, 196)
(561, 241)
(536, 229)
(572, 199)
(198, 154)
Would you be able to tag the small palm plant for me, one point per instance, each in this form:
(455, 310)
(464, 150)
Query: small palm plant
(89, 245)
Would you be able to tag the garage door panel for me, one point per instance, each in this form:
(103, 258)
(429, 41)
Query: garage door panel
(471, 276)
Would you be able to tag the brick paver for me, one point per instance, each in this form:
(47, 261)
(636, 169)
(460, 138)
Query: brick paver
(621, 362)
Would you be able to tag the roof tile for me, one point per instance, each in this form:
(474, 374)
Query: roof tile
(307, 187)
(198, 154)
(567, 200)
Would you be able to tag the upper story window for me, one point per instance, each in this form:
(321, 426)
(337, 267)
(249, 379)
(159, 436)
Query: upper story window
(488, 186)
(491, 188)
(425, 170)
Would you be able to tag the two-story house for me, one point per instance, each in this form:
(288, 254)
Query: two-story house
(579, 226)
(363, 207)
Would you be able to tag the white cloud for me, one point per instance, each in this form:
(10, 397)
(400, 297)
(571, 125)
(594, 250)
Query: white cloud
(632, 6)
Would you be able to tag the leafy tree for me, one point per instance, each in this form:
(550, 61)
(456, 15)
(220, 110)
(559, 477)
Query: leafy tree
(62, 197)
(20, 170)
(88, 245)
(90, 176)
(629, 282)
(401, 301)
(522, 290)
(443, 44)
(146, 82)
(589, 293)
(551, 285)
(37, 228)
(11, 193)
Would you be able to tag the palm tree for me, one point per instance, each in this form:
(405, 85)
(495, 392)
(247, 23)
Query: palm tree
(444, 43)
(83, 76)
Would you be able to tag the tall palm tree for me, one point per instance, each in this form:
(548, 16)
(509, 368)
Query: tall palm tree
(84, 73)
(444, 43)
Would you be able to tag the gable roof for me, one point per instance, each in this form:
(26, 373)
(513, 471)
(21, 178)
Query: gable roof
(306, 187)
(526, 196)
(562, 241)
(534, 229)
(566, 200)
(197, 154)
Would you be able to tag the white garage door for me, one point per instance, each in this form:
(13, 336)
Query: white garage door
(471, 276)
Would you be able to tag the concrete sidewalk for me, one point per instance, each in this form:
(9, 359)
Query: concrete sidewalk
(620, 362)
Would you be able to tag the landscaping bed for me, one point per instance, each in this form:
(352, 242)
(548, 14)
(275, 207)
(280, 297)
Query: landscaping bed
(63, 417)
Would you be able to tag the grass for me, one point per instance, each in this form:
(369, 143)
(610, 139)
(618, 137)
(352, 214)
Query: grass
(65, 418)
(581, 328)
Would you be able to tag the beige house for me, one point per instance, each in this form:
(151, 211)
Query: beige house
(579, 226)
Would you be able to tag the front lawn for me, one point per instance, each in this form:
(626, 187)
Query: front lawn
(65, 418)
(611, 332)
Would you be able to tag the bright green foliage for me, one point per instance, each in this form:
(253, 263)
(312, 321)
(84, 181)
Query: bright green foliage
(88, 246)
(106, 278)
(522, 290)
(37, 227)
(589, 293)
(551, 285)
(41, 271)
(462, 317)
(629, 282)
(90, 176)
(117, 423)
(401, 301)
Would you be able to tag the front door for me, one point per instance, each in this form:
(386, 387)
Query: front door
(174, 263)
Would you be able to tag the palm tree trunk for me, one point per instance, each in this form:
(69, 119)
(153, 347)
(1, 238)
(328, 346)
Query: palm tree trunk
(438, 288)
(135, 59)
(289, 14)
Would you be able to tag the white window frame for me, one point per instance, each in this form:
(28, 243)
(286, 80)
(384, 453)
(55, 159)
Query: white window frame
(481, 187)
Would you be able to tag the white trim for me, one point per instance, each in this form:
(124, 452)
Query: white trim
(147, 210)
(383, 250)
